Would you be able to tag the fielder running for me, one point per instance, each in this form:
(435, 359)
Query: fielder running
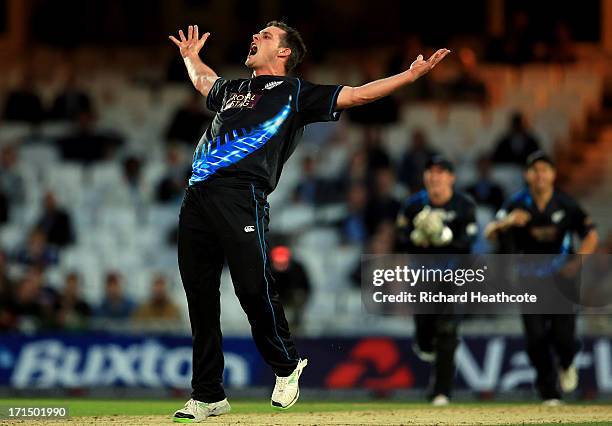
(224, 216)
(544, 220)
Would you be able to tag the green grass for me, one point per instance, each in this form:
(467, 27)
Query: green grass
(132, 407)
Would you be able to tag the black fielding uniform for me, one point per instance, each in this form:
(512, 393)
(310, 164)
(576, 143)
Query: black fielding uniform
(224, 215)
(548, 232)
(438, 333)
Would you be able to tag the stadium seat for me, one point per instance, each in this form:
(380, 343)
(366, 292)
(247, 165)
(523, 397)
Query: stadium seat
(295, 217)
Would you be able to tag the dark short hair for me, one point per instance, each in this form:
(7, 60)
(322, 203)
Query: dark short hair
(440, 161)
(537, 156)
(293, 40)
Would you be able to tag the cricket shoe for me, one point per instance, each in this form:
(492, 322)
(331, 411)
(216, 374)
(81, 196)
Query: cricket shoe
(196, 411)
(440, 401)
(552, 402)
(568, 379)
(287, 389)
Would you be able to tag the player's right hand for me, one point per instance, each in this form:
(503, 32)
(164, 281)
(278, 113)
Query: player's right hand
(192, 44)
(421, 66)
(519, 217)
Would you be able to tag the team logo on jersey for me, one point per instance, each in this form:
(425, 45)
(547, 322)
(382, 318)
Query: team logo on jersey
(272, 85)
(249, 228)
(241, 100)
(557, 216)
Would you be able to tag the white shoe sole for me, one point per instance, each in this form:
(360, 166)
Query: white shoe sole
(291, 404)
(216, 412)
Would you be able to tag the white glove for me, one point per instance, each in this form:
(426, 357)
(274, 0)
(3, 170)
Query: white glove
(421, 217)
(443, 238)
(419, 238)
(433, 224)
(429, 228)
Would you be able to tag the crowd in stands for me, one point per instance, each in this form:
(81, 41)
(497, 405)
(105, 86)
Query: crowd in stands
(368, 181)
(31, 303)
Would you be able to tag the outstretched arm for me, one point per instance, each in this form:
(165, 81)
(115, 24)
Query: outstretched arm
(354, 96)
(201, 75)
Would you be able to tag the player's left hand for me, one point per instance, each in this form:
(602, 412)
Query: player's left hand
(420, 67)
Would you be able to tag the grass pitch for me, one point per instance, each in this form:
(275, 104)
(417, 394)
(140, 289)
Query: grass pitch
(259, 412)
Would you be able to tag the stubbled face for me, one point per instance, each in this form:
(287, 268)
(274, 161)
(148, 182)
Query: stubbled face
(265, 48)
(438, 179)
(540, 176)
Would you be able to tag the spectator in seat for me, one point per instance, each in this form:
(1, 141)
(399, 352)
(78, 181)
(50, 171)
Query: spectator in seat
(381, 243)
(485, 191)
(382, 206)
(308, 188)
(377, 156)
(37, 251)
(135, 191)
(189, 121)
(516, 144)
(23, 103)
(172, 185)
(414, 160)
(115, 306)
(353, 228)
(71, 101)
(86, 144)
(55, 222)
(292, 283)
(159, 306)
(72, 312)
(132, 176)
(355, 171)
(34, 303)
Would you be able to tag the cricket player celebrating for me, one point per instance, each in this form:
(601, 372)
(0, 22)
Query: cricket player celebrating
(224, 215)
(541, 219)
(438, 220)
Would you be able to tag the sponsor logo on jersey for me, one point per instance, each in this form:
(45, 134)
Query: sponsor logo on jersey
(249, 228)
(272, 85)
(241, 100)
(557, 216)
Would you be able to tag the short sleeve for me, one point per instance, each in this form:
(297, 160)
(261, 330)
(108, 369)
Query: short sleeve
(317, 102)
(214, 100)
(581, 222)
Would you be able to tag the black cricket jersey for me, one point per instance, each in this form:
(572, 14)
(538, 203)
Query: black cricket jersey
(459, 216)
(549, 231)
(257, 125)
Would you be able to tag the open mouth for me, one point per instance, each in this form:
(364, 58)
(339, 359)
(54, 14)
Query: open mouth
(253, 49)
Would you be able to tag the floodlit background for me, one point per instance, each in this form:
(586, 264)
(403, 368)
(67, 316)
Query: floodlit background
(98, 122)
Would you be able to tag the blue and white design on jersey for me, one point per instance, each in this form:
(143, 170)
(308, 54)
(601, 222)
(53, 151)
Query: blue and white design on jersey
(233, 147)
